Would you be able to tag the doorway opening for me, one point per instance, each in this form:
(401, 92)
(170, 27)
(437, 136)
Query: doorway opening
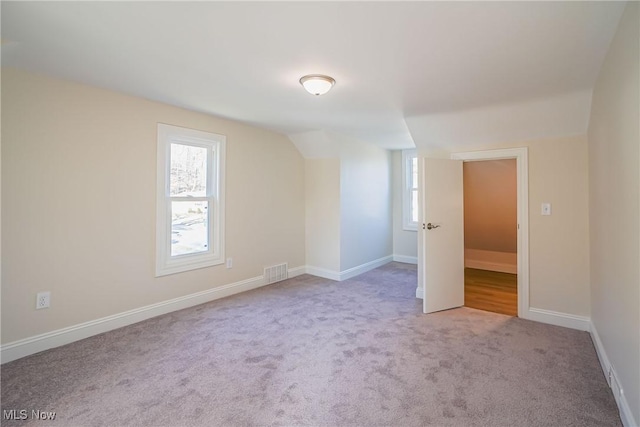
(505, 278)
(491, 235)
(441, 254)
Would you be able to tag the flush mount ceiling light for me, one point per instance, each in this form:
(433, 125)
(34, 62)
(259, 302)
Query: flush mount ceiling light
(317, 84)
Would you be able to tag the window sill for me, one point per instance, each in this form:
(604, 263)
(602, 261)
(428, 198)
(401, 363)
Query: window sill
(181, 267)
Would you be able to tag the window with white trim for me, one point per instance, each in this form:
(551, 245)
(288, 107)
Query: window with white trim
(409, 190)
(190, 199)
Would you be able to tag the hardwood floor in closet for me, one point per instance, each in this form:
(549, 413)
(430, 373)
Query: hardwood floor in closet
(491, 291)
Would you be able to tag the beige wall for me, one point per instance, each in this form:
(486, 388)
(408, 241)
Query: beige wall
(558, 244)
(348, 202)
(322, 195)
(490, 215)
(79, 176)
(1, 208)
(614, 165)
(365, 204)
(405, 242)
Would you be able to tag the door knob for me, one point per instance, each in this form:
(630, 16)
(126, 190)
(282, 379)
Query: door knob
(431, 226)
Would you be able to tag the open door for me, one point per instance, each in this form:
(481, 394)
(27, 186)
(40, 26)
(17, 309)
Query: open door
(442, 233)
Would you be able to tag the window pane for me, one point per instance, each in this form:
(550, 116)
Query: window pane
(188, 171)
(414, 205)
(414, 172)
(189, 227)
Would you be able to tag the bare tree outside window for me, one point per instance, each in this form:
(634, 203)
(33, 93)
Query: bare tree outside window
(188, 171)
(188, 179)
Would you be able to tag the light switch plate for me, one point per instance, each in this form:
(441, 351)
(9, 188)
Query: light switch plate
(546, 209)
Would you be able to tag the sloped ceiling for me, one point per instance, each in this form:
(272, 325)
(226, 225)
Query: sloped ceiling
(560, 115)
(405, 71)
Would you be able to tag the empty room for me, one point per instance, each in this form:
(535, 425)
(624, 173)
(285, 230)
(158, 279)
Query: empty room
(320, 213)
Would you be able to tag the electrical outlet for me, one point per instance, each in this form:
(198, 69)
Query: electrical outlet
(229, 262)
(43, 300)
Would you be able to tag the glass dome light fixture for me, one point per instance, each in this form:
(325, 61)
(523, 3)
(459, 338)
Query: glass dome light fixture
(317, 84)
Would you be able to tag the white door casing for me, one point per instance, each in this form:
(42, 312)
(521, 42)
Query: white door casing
(521, 156)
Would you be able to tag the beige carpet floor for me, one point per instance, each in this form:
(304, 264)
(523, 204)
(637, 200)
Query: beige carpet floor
(309, 351)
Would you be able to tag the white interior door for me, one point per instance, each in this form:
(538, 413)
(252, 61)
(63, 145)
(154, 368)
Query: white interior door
(442, 234)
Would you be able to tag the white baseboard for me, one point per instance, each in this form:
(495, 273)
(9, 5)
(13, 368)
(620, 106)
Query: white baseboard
(296, 271)
(491, 266)
(572, 321)
(25, 347)
(322, 272)
(505, 262)
(363, 268)
(406, 259)
(419, 292)
(349, 273)
(602, 355)
(621, 399)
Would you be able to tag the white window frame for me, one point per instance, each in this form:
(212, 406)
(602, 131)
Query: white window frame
(407, 170)
(215, 145)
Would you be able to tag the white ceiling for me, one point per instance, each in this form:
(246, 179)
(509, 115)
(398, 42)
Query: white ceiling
(393, 61)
